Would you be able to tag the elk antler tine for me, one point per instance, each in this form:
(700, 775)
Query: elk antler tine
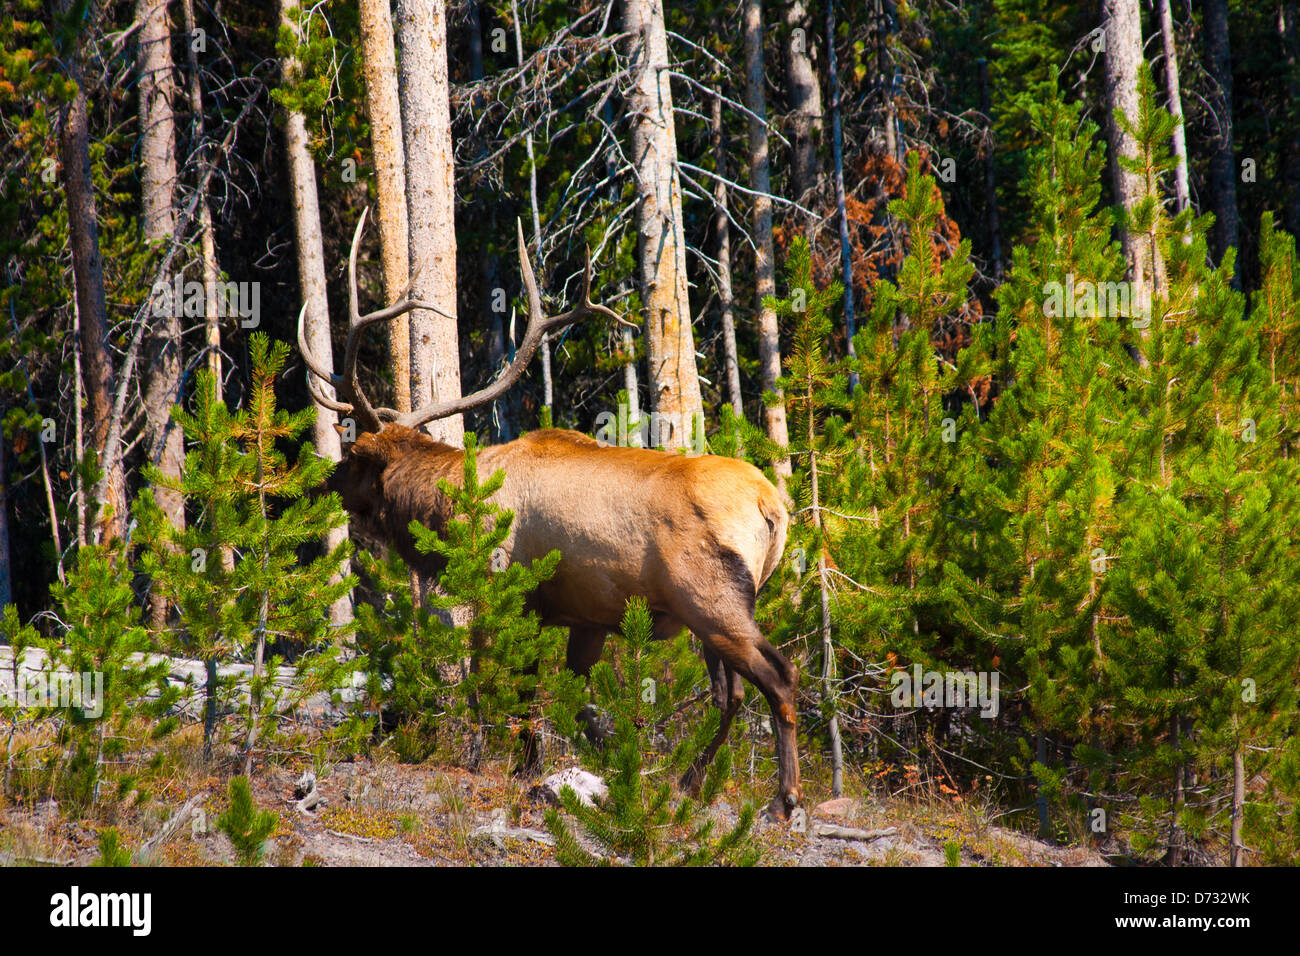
(586, 279)
(530, 280)
(322, 399)
(354, 311)
(312, 364)
(410, 283)
(411, 305)
(589, 306)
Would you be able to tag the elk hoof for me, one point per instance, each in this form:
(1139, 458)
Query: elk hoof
(781, 807)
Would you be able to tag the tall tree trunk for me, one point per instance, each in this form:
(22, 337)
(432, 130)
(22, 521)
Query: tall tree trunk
(1235, 852)
(804, 98)
(6, 566)
(1176, 852)
(207, 235)
(769, 344)
(828, 649)
(1223, 171)
(88, 277)
(379, 65)
(548, 381)
(78, 425)
(627, 343)
(1174, 96)
(670, 344)
(311, 282)
(430, 207)
(722, 225)
(841, 206)
(489, 269)
(1123, 26)
(1286, 25)
(990, 178)
(156, 88)
(887, 19)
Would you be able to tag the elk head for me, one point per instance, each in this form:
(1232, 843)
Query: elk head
(382, 510)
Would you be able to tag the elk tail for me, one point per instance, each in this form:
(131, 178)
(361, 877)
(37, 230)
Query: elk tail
(778, 521)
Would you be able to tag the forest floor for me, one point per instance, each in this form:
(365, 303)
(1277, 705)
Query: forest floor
(381, 812)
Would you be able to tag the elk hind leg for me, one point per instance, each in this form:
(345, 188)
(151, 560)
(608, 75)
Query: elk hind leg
(744, 649)
(728, 694)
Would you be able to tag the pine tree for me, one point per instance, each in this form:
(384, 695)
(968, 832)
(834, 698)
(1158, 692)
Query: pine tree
(517, 674)
(103, 636)
(1206, 579)
(234, 573)
(1276, 309)
(817, 403)
(889, 526)
(637, 820)
(1036, 480)
(244, 825)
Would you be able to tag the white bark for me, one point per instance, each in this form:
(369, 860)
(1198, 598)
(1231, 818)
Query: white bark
(311, 281)
(1174, 94)
(156, 89)
(430, 205)
(769, 345)
(379, 62)
(670, 342)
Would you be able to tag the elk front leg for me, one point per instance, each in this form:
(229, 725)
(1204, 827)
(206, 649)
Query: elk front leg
(585, 647)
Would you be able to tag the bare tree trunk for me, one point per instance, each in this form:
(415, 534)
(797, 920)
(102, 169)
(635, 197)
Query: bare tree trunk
(6, 566)
(828, 649)
(1223, 172)
(805, 103)
(88, 276)
(769, 344)
(1286, 25)
(379, 64)
(311, 282)
(1173, 93)
(1236, 849)
(78, 425)
(430, 207)
(548, 382)
(1176, 852)
(887, 17)
(722, 224)
(627, 343)
(841, 207)
(207, 238)
(156, 88)
(1123, 37)
(489, 270)
(990, 178)
(670, 344)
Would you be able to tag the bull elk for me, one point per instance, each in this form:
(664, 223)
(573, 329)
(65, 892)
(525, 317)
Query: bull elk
(696, 537)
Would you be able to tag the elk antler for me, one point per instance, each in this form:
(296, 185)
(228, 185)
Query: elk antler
(373, 419)
(355, 403)
(538, 326)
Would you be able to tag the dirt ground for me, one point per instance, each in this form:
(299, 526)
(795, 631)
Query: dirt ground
(393, 814)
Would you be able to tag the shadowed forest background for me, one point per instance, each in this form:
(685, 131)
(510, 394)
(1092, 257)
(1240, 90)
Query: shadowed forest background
(1002, 295)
